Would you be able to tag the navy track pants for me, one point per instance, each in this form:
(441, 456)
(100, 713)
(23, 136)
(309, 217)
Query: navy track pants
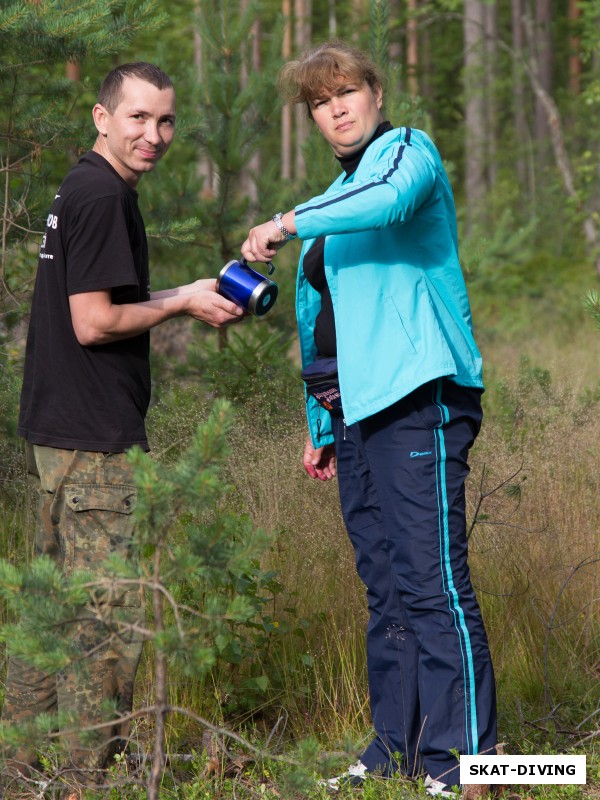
(401, 476)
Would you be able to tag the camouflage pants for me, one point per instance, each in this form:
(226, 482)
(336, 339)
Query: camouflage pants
(84, 515)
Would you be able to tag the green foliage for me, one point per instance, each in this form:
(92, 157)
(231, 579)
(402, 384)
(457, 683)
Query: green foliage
(207, 554)
(197, 558)
(220, 621)
(9, 396)
(239, 627)
(378, 31)
(172, 233)
(45, 604)
(235, 107)
(516, 288)
(64, 30)
(534, 401)
(253, 370)
(588, 28)
(592, 304)
(322, 167)
(399, 107)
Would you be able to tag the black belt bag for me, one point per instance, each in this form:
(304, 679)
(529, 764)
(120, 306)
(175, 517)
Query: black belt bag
(321, 380)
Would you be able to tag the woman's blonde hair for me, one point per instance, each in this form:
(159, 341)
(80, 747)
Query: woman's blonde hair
(321, 68)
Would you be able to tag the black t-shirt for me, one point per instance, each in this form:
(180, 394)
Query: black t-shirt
(87, 398)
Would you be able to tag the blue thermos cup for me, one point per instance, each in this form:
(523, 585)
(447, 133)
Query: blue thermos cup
(247, 288)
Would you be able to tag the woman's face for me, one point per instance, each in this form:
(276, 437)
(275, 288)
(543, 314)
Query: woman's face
(347, 116)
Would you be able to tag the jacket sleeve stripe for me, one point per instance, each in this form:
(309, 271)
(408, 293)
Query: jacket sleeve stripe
(366, 187)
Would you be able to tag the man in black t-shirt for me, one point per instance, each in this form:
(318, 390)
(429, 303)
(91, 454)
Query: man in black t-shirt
(85, 394)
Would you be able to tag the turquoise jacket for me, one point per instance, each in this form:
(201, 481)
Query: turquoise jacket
(401, 309)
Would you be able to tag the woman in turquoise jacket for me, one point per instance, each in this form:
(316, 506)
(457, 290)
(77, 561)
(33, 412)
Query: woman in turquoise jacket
(393, 386)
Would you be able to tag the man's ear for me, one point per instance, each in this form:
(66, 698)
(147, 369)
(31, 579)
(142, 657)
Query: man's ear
(100, 115)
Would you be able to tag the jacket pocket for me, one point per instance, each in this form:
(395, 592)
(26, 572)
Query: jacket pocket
(404, 341)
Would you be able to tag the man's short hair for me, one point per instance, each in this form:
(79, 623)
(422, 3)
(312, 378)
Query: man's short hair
(110, 94)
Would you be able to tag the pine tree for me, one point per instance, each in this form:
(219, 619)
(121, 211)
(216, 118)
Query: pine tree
(400, 107)
(198, 565)
(236, 106)
(232, 110)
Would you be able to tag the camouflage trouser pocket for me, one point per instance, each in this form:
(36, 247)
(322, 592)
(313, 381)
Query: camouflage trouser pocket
(99, 522)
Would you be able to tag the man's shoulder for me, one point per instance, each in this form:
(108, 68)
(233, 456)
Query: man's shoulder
(91, 179)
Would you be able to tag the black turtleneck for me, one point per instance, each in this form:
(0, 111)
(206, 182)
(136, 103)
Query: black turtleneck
(350, 163)
(314, 264)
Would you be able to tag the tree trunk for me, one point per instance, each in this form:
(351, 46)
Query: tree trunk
(427, 66)
(522, 133)
(491, 110)
(160, 683)
(357, 20)
(561, 155)
(395, 45)
(332, 24)
(574, 51)
(204, 166)
(543, 51)
(475, 122)
(412, 49)
(73, 71)
(251, 61)
(302, 37)
(286, 112)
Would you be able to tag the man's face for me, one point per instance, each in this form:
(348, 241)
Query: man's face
(139, 131)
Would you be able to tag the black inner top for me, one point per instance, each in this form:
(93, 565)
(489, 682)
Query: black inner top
(314, 262)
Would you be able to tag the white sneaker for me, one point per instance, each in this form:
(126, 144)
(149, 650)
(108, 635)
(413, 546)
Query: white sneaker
(438, 789)
(353, 776)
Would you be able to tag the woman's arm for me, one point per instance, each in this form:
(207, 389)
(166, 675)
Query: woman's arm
(397, 187)
(400, 182)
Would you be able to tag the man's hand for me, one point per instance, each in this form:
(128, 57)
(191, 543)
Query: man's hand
(209, 306)
(319, 462)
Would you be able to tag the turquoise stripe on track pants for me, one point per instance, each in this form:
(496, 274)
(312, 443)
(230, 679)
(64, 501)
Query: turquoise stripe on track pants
(401, 477)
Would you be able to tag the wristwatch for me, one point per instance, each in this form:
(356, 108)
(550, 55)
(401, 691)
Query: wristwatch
(277, 220)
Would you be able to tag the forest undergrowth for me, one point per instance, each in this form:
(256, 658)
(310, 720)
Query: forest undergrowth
(296, 694)
(534, 526)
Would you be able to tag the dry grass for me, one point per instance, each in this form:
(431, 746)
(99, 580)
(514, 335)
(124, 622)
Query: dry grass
(532, 553)
(533, 498)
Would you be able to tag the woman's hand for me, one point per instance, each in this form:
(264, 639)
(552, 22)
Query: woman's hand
(265, 240)
(319, 462)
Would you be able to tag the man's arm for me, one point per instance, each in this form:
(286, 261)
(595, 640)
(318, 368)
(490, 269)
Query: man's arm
(97, 320)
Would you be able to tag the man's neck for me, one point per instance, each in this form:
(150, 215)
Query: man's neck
(130, 178)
